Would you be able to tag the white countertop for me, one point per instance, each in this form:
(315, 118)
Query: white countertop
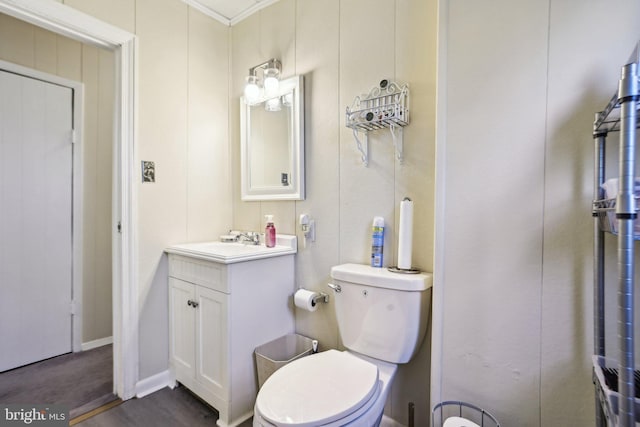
(229, 253)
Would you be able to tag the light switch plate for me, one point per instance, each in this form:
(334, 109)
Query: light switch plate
(148, 171)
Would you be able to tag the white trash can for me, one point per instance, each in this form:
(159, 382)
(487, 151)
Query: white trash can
(275, 354)
(454, 413)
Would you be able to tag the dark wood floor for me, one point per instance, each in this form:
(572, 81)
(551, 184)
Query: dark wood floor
(164, 408)
(73, 380)
(84, 381)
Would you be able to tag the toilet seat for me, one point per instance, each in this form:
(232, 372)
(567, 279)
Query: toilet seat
(319, 390)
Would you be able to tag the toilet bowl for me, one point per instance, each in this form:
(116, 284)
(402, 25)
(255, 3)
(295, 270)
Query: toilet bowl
(382, 318)
(332, 388)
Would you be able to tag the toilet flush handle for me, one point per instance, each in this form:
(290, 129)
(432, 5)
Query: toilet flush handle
(336, 288)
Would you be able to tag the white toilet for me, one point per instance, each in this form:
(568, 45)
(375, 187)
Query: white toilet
(382, 318)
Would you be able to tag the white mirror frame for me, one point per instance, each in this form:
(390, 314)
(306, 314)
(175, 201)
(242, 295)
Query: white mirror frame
(296, 150)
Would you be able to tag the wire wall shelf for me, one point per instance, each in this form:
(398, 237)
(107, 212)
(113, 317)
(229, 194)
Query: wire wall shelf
(386, 106)
(617, 379)
(605, 211)
(608, 120)
(606, 382)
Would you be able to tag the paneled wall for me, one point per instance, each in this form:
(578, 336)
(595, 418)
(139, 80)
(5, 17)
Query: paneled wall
(182, 125)
(32, 47)
(183, 122)
(343, 49)
(519, 87)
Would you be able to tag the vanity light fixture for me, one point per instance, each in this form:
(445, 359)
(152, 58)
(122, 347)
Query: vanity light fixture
(271, 80)
(251, 90)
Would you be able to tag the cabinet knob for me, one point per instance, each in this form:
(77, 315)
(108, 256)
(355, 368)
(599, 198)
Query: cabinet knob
(192, 303)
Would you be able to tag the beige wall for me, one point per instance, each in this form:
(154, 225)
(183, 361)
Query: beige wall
(513, 315)
(32, 47)
(343, 49)
(188, 123)
(519, 84)
(183, 127)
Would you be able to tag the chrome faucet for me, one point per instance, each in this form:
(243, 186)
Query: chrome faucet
(250, 238)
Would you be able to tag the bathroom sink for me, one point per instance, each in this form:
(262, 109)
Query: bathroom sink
(231, 252)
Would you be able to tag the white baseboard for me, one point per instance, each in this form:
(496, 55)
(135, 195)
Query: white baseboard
(96, 343)
(154, 383)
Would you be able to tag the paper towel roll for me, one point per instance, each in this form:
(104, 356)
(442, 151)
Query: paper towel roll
(304, 299)
(405, 234)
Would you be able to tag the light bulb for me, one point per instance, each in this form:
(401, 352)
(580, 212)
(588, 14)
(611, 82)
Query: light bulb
(251, 90)
(271, 82)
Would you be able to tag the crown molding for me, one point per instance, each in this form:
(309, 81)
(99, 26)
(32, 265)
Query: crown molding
(234, 19)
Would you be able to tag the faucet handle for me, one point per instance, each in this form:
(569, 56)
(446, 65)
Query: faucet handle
(252, 237)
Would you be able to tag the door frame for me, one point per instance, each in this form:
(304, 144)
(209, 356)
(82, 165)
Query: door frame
(69, 22)
(77, 89)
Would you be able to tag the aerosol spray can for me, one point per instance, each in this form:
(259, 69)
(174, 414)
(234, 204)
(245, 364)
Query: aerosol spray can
(377, 241)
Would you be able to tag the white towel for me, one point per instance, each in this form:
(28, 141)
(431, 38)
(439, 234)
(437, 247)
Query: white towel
(610, 187)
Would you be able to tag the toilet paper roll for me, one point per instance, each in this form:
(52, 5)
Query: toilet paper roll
(304, 299)
(405, 234)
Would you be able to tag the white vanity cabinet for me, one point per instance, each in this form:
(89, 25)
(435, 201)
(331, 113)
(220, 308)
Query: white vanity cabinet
(198, 327)
(219, 312)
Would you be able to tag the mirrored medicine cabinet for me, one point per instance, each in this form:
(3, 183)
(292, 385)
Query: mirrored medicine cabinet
(272, 144)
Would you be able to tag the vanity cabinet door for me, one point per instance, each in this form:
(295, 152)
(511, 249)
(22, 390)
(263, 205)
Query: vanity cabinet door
(217, 321)
(182, 327)
(212, 346)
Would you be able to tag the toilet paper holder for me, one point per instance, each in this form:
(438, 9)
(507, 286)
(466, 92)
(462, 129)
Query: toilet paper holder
(309, 300)
(321, 297)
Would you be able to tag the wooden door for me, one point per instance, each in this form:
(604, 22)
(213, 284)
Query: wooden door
(36, 171)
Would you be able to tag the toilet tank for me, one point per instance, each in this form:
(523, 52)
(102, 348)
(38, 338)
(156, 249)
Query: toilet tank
(381, 314)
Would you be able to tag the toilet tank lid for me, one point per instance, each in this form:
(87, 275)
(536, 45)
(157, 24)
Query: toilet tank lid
(381, 277)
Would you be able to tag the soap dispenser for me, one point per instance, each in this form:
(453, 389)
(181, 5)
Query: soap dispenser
(270, 232)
